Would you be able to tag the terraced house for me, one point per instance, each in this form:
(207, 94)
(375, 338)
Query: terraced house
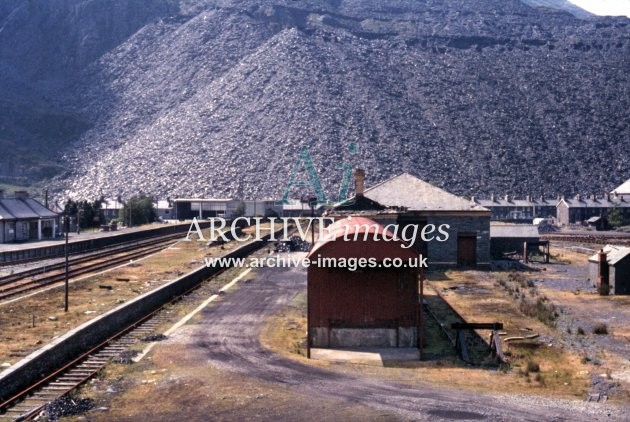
(579, 210)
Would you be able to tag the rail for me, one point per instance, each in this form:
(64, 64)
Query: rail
(62, 354)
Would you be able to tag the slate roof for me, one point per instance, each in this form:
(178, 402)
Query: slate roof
(517, 203)
(407, 191)
(614, 254)
(623, 189)
(23, 209)
(595, 203)
(513, 231)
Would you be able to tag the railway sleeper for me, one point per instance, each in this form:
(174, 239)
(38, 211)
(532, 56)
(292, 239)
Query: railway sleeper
(25, 408)
(72, 380)
(83, 375)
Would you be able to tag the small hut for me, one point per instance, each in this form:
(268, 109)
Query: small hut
(374, 306)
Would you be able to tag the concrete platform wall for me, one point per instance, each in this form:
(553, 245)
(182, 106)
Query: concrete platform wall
(80, 246)
(363, 337)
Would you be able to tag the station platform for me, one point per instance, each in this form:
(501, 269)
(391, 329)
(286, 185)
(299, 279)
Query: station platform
(16, 253)
(74, 237)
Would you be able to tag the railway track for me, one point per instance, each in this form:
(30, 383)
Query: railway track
(618, 239)
(30, 402)
(36, 278)
(441, 314)
(55, 250)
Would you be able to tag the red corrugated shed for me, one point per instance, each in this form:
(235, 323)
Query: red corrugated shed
(336, 246)
(369, 307)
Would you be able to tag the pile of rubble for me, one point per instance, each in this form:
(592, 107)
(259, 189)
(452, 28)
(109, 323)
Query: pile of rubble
(294, 244)
(65, 406)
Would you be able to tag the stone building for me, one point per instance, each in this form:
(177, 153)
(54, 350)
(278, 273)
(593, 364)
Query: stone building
(525, 210)
(406, 200)
(579, 210)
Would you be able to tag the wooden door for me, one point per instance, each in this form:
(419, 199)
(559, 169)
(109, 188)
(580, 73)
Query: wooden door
(467, 250)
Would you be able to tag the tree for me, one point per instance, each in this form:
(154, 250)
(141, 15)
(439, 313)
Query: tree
(138, 210)
(240, 209)
(616, 218)
(88, 213)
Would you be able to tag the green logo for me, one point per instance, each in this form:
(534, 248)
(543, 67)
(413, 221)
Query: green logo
(305, 163)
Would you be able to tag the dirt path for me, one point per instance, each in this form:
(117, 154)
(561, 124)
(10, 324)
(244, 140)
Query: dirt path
(227, 336)
(570, 288)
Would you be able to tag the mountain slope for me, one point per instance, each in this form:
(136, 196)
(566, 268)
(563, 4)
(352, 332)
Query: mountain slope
(565, 5)
(44, 46)
(218, 98)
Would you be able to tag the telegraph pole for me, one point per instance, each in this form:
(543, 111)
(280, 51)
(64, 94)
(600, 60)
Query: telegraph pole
(67, 228)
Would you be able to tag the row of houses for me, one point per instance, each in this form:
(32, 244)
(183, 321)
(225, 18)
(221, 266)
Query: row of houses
(403, 198)
(590, 210)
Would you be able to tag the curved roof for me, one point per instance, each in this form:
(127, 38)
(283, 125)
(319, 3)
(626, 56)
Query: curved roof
(362, 237)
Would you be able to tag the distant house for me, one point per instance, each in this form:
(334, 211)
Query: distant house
(519, 210)
(22, 218)
(580, 210)
(110, 210)
(618, 262)
(204, 208)
(507, 239)
(406, 200)
(623, 190)
(163, 209)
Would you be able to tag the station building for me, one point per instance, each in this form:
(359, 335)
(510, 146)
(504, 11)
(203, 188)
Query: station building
(204, 208)
(23, 218)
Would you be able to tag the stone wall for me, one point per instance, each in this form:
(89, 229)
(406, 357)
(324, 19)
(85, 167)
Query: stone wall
(445, 253)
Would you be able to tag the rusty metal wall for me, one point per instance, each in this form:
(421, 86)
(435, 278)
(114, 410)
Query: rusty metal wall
(369, 298)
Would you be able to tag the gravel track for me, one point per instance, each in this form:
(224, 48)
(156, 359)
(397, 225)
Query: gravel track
(228, 336)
